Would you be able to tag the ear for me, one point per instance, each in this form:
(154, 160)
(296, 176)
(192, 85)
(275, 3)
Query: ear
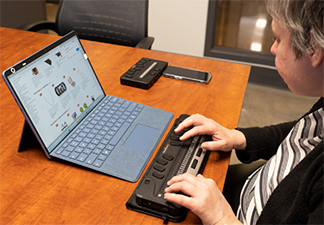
(317, 57)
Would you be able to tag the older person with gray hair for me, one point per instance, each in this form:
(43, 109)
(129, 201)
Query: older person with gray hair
(288, 189)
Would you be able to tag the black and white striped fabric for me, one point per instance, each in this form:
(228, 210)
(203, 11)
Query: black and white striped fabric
(301, 140)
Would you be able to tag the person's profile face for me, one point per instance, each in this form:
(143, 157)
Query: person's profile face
(295, 72)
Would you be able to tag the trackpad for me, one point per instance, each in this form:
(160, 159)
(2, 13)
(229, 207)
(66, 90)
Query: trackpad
(141, 138)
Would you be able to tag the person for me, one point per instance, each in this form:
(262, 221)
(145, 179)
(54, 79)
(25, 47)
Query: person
(288, 189)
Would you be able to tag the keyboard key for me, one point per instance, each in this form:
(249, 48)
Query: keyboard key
(127, 113)
(82, 145)
(112, 133)
(82, 134)
(98, 163)
(168, 157)
(108, 137)
(91, 146)
(102, 157)
(78, 149)
(99, 136)
(110, 147)
(102, 133)
(60, 150)
(130, 120)
(91, 136)
(132, 106)
(78, 139)
(158, 167)
(98, 127)
(97, 151)
(100, 146)
(87, 151)
(95, 141)
(106, 152)
(91, 158)
(90, 126)
(74, 155)
(109, 124)
(66, 153)
(158, 175)
(114, 128)
(121, 120)
(121, 101)
(199, 152)
(94, 121)
(104, 141)
(162, 161)
(74, 143)
(194, 164)
(65, 144)
(125, 104)
(104, 119)
(118, 124)
(87, 130)
(120, 133)
(88, 139)
(82, 157)
(94, 131)
(112, 120)
(70, 148)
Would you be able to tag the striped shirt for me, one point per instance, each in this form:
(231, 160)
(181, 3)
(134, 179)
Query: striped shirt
(301, 140)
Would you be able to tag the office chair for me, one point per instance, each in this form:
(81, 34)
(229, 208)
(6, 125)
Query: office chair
(122, 22)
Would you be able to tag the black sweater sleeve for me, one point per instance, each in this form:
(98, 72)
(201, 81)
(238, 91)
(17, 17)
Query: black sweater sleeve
(262, 143)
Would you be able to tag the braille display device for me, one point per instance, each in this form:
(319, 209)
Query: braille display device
(173, 158)
(144, 73)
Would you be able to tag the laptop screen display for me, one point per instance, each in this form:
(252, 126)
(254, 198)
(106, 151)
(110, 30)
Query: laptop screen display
(57, 90)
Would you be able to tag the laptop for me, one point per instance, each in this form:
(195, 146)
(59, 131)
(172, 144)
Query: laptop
(74, 120)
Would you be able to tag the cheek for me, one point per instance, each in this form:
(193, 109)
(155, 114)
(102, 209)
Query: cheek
(280, 65)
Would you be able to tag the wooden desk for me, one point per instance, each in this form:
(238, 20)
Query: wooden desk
(35, 190)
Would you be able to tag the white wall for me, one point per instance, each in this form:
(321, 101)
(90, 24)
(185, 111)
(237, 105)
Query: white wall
(178, 26)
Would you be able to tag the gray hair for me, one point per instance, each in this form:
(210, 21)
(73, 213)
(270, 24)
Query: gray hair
(304, 20)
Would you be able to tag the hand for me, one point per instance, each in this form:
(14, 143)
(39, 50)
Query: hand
(204, 199)
(223, 138)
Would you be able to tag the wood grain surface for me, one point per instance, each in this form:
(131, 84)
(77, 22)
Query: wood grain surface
(35, 190)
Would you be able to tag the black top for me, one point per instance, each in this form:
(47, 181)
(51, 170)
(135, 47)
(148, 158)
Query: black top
(298, 199)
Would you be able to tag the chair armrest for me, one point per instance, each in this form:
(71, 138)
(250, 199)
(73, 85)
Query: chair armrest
(145, 43)
(37, 26)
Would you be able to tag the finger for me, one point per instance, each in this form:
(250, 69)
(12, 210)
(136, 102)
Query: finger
(200, 176)
(197, 130)
(190, 133)
(180, 178)
(185, 187)
(216, 146)
(193, 120)
(179, 199)
(184, 124)
(177, 187)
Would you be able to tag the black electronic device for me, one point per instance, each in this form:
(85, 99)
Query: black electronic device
(174, 157)
(187, 74)
(144, 73)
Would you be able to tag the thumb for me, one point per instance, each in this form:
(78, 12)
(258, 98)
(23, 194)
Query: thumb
(216, 146)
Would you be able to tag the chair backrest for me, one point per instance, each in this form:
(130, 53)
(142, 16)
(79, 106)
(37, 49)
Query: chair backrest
(122, 22)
